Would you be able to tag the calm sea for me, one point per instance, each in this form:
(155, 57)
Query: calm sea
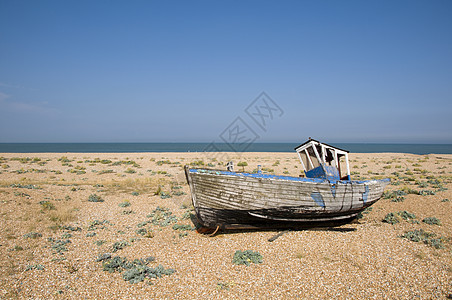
(201, 147)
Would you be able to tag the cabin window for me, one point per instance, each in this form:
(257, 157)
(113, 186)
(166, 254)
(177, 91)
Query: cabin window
(313, 157)
(342, 165)
(329, 157)
(304, 159)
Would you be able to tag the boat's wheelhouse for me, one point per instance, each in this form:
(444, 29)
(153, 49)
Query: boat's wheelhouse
(323, 161)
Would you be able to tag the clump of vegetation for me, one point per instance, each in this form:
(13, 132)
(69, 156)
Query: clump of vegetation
(186, 215)
(98, 160)
(197, 163)
(25, 186)
(406, 215)
(422, 171)
(391, 218)
(393, 194)
(179, 193)
(176, 190)
(158, 191)
(120, 245)
(95, 198)
(422, 184)
(445, 200)
(410, 191)
(99, 242)
(58, 246)
(364, 212)
(32, 235)
(126, 162)
(425, 237)
(162, 216)
(434, 182)
(135, 194)
(141, 231)
(394, 217)
(426, 192)
(182, 227)
(161, 193)
(47, 205)
(398, 199)
(224, 285)
(79, 170)
(162, 162)
(432, 221)
(71, 228)
(64, 160)
(21, 171)
(164, 195)
(96, 223)
(21, 194)
(142, 224)
(246, 257)
(146, 232)
(103, 257)
(135, 271)
(16, 248)
(126, 203)
(268, 170)
(130, 171)
(34, 267)
(105, 172)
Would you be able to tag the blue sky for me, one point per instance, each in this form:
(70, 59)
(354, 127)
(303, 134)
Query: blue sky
(181, 71)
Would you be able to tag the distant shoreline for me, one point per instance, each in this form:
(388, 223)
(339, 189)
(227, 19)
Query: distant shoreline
(213, 147)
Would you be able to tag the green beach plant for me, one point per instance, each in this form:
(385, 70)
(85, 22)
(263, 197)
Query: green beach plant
(432, 221)
(419, 235)
(134, 271)
(119, 245)
(394, 217)
(95, 198)
(246, 257)
(391, 218)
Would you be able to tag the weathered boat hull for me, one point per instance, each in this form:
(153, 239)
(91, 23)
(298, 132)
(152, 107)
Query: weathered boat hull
(229, 199)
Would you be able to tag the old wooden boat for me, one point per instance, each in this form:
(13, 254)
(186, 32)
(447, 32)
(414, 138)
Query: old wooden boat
(228, 199)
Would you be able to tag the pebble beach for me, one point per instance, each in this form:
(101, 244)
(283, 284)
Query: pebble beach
(64, 217)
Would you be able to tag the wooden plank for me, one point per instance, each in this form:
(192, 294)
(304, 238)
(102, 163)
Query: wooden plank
(274, 191)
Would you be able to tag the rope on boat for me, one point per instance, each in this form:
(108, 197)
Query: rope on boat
(212, 234)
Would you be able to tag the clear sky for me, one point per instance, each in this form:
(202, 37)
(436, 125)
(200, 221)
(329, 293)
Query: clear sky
(181, 71)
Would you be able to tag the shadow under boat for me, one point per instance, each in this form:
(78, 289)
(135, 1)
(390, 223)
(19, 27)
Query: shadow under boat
(277, 226)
